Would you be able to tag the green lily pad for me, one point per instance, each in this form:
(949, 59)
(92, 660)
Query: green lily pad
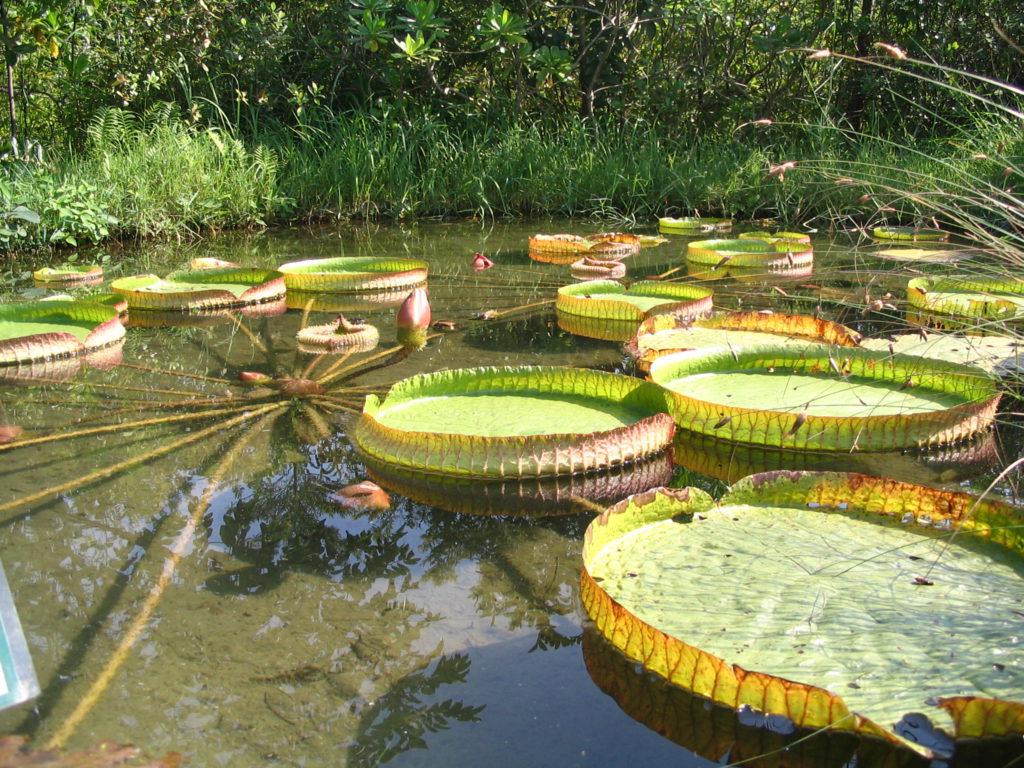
(832, 600)
(826, 398)
(775, 256)
(69, 273)
(43, 330)
(690, 225)
(202, 289)
(354, 274)
(922, 255)
(609, 300)
(515, 422)
(777, 237)
(992, 298)
(993, 354)
(911, 234)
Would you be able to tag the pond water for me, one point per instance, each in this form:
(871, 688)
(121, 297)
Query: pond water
(296, 631)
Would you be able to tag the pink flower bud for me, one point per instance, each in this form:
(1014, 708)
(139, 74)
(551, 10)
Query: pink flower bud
(253, 377)
(413, 319)
(481, 262)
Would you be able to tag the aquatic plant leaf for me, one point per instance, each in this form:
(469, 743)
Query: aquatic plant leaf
(515, 422)
(775, 237)
(69, 273)
(993, 298)
(354, 274)
(664, 334)
(775, 256)
(42, 330)
(339, 335)
(14, 753)
(923, 255)
(605, 245)
(202, 289)
(651, 241)
(689, 225)
(588, 268)
(911, 234)
(826, 398)
(994, 354)
(609, 300)
(812, 577)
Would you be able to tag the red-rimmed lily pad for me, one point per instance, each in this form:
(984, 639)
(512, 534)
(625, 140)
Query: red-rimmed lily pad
(610, 300)
(693, 225)
(151, 318)
(910, 234)
(822, 398)
(605, 245)
(338, 336)
(989, 298)
(830, 600)
(515, 422)
(202, 289)
(665, 334)
(69, 274)
(47, 330)
(354, 274)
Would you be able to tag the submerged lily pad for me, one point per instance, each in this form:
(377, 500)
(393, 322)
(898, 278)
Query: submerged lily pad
(826, 399)
(665, 334)
(202, 289)
(69, 274)
(690, 225)
(609, 300)
(775, 256)
(354, 274)
(515, 422)
(991, 298)
(911, 234)
(922, 255)
(44, 330)
(829, 600)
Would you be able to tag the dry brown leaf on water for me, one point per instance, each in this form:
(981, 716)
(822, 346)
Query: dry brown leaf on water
(15, 754)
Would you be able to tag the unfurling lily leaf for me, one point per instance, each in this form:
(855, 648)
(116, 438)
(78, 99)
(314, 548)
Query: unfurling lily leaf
(340, 335)
(798, 595)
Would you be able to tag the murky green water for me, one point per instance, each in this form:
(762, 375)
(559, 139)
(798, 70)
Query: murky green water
(298, 632)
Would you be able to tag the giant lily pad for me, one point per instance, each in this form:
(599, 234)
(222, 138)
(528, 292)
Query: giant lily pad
(993, 354)
(665, 334)
(728, 461)
(777, 256)
(922, 255)
(44, 330)
(826, 399)
(515, 422)
(991, 298)
(830, 600)
(69, 274)
(606, 245)
(777, 237)
(201, 289)
(609, 300)
(692, 225)
(203, 318)
(354, 274)
(910, 234)
(345, 302)
(525, 497)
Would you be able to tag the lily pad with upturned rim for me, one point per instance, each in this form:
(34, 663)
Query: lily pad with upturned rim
(800, 595)
(69, 274)
(203, 289)
(45, 330)
(777, 256)
(775, 237)
(609, 300)
(910, 234)
(821, 398)
(663, 335)
(354, 274)
(515, 422)
(691, 225)
(598, 269)
(604, 245)
(922, 255)
(990, 298)
(993, 354)
(338, 336)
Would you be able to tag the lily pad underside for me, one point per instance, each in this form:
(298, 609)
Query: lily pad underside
(804, 596)
(354, 274)
(821, 398)
(45, 330)
(69, 274)
(515, 422)
(985, 298)
(690, 225)
(202, 289)
(609, 300)
(775, 256)
(665, 334)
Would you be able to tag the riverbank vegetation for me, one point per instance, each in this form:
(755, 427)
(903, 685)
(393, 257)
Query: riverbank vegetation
(150, 118)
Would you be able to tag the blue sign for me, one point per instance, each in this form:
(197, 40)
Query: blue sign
(18, 681)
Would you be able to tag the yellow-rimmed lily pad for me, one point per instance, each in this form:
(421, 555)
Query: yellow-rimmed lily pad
(69, 274)
(910, 234)
(831, 600)
(665, 334)
(994, 354)
(515, 422)
(354, 274)
(822, 398)
(922, 255)
(776, 237)
(773, 256)
(693, 225)
(45, 330)
(202, 289)
(609, 300)
(604, 245)
(990, 298)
